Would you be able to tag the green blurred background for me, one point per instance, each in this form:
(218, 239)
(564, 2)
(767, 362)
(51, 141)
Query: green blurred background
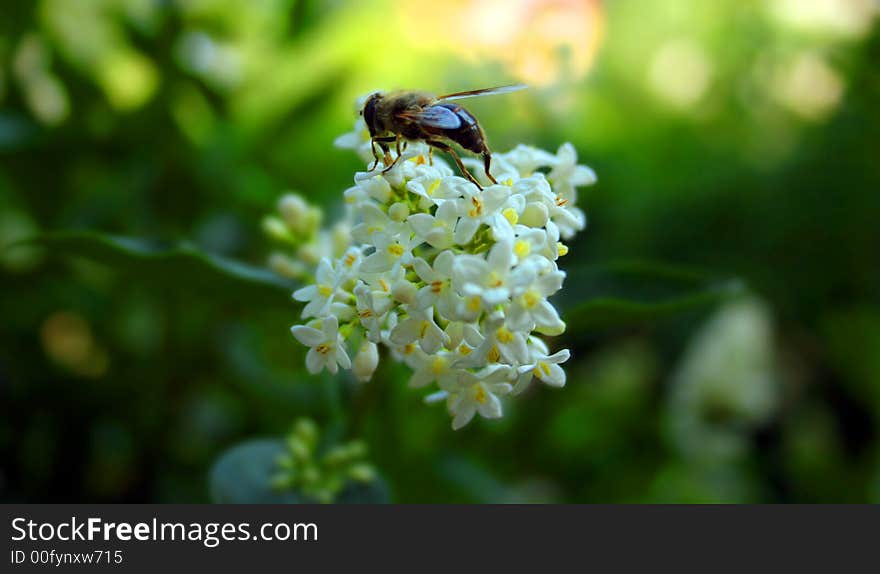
(737, 137)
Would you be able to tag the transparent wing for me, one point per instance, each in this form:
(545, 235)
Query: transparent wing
(434, 116)
(483, 92)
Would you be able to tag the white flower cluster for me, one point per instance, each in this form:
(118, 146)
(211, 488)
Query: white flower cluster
(452, 279)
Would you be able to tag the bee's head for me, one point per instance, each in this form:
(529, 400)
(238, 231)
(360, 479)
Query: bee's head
(369, 112)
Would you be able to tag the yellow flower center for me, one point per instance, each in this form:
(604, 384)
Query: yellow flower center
(508, 182)
(325, 290)
(504, 335)
(561, 201)
(542, 370)
(439, 366)
(495, 280)
(510, 215)
(396, 249)
(436, 286)
(423, 328)
(433, 187)
(409, 348)
(464, 350)
(365, 314)
(350, 259)
(481, 396)
(530, 299)
(522, 248)
(473, 303)
(323, 348)
(384, 285)
(493, 355)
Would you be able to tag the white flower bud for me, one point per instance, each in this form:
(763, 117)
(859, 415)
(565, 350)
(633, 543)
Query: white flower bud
(534, 215)
(285, 266)
(366, 361)
(275, 228)
(295, 212)
(553, 330)
(378, 188)
(310, 253)
(404, 291)
(398, 212)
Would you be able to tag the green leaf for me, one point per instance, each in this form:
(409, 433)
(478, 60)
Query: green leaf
(609, 295)
(373, 492)
(244, 475)
(183, 266)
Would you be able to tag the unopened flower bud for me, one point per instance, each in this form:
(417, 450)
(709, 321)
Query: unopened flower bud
(275, 228)
(398, 211)
(295, 212)
(310, 253)
(404, 291)
(366, 361)
(286, 267)
(534, 215)
(553, 330)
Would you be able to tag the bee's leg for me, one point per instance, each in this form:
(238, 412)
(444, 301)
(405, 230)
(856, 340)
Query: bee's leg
(430, 156)
(383, 141)
(393, 163)
(444, 147)
(375, 155)
(487, 162)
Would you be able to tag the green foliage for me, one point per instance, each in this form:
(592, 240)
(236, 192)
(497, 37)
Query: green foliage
(613, 295)
(292, 471)
(181, 267)
(244, 473)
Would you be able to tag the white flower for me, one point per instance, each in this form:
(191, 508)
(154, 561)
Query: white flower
(420, 326)
(493, 278)
(478, 208)
(436, 185)
(545, 368)
(375, 222)
(453, 280)
(436, 230)
(327, 348)
(321, 294)
(567, 175)
(438, 285)
(531, 309)
(526, 159)
(501, 340)
(439, 367)
(477, 393)
(371, 309)
(391, 252)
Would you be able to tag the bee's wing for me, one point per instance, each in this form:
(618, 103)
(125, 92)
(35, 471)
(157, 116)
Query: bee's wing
(483, 92)
(434, 116)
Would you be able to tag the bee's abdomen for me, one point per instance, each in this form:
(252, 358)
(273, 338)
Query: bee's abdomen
(468, 135)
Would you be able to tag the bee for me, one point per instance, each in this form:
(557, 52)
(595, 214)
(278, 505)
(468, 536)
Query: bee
(410, 115)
